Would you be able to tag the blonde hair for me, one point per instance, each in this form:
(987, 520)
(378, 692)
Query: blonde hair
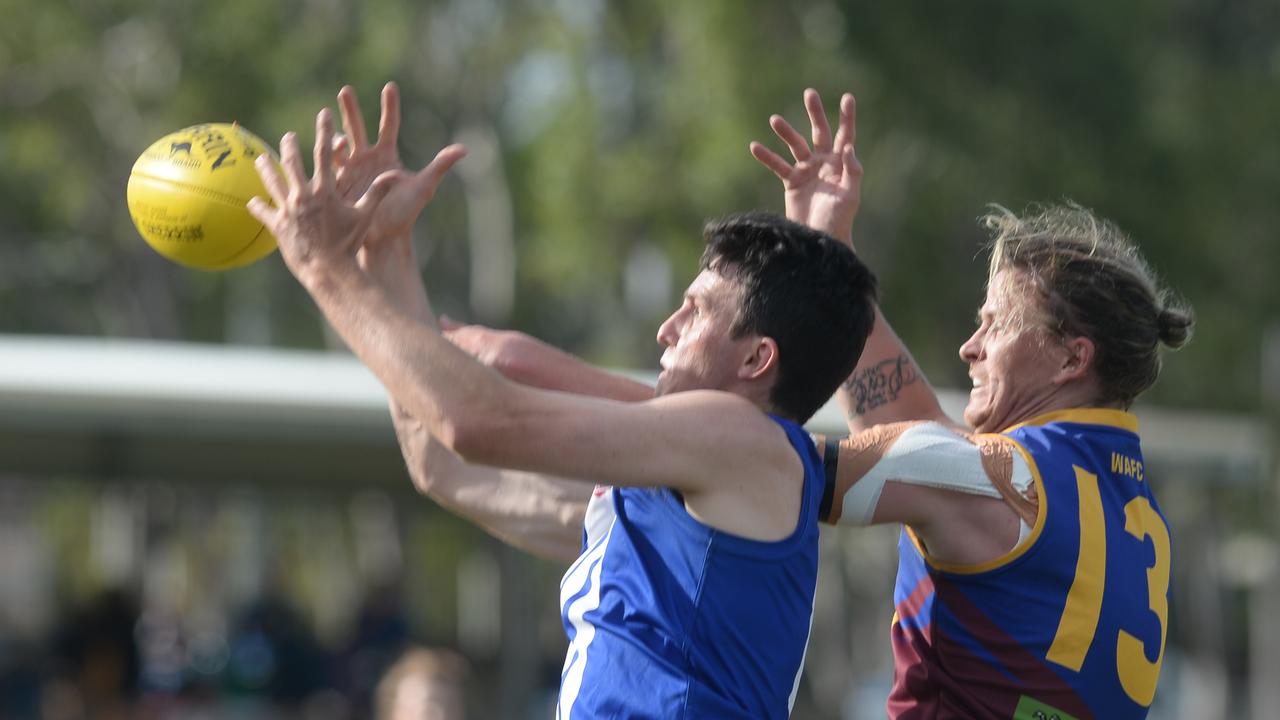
(1093, 282)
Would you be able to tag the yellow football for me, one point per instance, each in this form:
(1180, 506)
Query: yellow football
(187, 196)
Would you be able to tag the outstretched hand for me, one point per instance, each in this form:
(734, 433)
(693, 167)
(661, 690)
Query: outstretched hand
(314, 226)
(823, 187)
(318, 225)
(357, 164)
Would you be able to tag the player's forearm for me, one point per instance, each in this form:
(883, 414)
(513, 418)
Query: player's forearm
(887, 385)
(532, 362)
(437, 383)
(517, 356)
(391, 264)
(540, 515)
(470, 409)
(835, 219)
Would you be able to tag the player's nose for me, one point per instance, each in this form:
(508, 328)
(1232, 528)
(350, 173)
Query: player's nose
(668, 333)
(971, 348)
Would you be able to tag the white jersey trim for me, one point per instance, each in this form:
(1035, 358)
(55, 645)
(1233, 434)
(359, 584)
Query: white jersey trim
(795, 685)
(584, 573)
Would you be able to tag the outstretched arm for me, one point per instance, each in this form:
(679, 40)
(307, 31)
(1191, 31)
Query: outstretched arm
(530, 361)
(539, 514)
(517, 356)
(823, 189)
(718, 449)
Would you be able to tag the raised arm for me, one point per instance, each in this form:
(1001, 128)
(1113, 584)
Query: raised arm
(518, 356)
(530, 361)
(823, 189)
(716, 448)
(539, 514)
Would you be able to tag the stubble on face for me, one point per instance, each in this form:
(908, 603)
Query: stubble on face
(701, 358)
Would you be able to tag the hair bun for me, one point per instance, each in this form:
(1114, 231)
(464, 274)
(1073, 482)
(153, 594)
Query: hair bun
(1174, 326)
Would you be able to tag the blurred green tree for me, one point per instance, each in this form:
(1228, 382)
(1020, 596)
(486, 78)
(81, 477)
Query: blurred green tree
(605, 133)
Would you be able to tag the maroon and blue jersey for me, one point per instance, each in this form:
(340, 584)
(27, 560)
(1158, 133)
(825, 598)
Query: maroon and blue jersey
(1072, 622)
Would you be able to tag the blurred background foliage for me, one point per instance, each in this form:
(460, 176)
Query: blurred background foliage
(604, 134)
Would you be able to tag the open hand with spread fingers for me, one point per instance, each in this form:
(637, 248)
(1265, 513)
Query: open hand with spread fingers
(357, 164)
(823, 187)
(317, 226)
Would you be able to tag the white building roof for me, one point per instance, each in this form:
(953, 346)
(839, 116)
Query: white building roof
(89, 405)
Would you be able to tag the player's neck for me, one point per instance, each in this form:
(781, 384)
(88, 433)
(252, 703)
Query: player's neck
(1070, 396)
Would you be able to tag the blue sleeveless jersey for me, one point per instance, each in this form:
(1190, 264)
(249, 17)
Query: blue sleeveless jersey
(669, 618)
(1072, 623)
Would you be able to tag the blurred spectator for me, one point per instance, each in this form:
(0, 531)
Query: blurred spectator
(274, 653)
(424, 684)
(380, 634)
(98, 660)
(20, 679)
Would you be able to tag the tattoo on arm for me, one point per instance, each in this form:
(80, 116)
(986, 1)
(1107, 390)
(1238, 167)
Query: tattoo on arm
(880, 384)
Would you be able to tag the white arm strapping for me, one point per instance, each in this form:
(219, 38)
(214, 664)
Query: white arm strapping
(931, 455)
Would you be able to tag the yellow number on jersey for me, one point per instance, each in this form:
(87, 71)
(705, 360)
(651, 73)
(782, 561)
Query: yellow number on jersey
(1079, 619)
(1079, 622)
(1137, 674)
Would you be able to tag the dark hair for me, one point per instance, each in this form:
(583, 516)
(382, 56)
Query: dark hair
(1092, 282)
(807, 291)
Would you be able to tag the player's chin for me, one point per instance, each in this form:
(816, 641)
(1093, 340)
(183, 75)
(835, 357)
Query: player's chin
(668, 382)
(660, 385)
(977, 414)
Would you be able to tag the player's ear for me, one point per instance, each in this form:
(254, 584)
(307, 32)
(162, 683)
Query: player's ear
(762, 359)
(1077, 359)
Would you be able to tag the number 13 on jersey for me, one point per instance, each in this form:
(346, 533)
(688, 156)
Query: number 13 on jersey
(1079, 623)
